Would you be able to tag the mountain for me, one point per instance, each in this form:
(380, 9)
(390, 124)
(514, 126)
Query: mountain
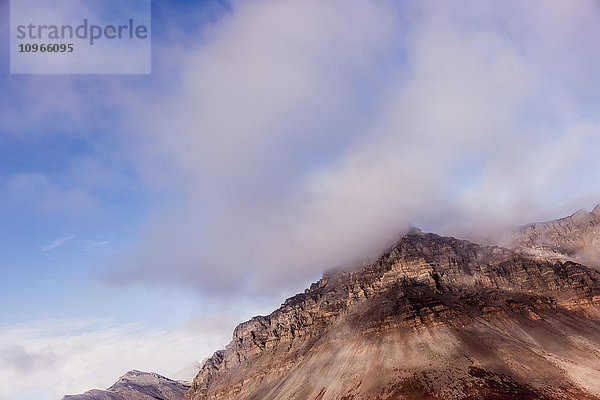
(576, 237)
(137, 385)
(432, 318)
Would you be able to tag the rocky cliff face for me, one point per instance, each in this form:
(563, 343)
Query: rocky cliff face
(432, 318)
(576, 237)
(137, 385)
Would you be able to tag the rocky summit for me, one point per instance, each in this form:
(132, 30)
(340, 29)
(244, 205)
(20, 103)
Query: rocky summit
(137, 385)
(432, 318)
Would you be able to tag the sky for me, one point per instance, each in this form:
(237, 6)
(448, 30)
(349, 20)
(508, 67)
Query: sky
(143, 216)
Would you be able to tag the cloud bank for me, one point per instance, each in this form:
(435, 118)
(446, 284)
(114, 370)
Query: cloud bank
(305, 134)
(47, 359)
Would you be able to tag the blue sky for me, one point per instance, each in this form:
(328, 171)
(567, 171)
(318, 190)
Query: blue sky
(273, 140)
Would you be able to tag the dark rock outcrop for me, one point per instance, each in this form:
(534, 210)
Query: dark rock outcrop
(432, 318)
(137, 385)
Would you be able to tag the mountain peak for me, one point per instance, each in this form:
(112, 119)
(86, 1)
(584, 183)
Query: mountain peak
(580, 214)
(431, 315)
(137, 374)
(414, 231)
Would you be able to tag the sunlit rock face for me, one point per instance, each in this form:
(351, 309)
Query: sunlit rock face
(432, 318)
(137, 385)
(576, 237)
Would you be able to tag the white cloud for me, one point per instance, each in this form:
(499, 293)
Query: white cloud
(48, 359)
(56, 243)
(97, 244)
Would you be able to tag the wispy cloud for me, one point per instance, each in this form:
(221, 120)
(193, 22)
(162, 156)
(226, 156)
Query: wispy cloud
(56, 243)
(96, 244)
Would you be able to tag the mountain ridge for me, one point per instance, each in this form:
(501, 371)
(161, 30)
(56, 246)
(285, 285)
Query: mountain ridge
(576, 238)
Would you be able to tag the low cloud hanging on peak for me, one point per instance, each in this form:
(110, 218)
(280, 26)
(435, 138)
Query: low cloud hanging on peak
(304, 142)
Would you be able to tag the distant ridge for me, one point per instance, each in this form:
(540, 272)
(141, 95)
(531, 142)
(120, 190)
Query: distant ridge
(576, 237)
(137, 385)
